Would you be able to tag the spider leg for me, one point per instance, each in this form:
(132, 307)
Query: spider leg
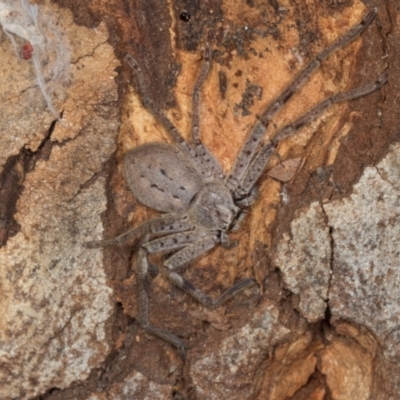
(249, 197)
(199, 244)
(167, 223)
(238, 221)
(172, 130)
(143, 297)
(352, 94)
(171, 242)
(260, 161)
(202, 150)
(201, 297)
(189, 253)
(249, 148)
(142, 268)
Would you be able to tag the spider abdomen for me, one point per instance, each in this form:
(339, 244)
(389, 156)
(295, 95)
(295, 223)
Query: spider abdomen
(162, 177)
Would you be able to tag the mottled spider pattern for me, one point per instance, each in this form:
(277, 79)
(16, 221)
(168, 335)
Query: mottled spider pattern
(200, 204)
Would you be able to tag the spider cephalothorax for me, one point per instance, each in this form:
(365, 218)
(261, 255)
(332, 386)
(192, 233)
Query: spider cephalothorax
(199, 204)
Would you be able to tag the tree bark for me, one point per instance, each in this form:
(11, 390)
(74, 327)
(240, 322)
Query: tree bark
(321, 238)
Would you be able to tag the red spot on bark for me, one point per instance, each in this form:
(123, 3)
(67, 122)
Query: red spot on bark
(27, 51)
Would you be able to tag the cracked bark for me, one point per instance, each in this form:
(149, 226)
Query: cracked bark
(325, 324)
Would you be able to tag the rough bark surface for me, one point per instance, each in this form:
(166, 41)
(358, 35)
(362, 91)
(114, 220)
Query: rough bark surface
(324, 322)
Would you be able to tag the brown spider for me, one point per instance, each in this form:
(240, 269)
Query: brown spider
(200, 204)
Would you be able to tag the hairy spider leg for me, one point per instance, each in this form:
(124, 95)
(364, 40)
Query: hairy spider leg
(173, 241)
(205, 242)
(202, 150)
(195, 244)
(142, 268)
(261, 159)
(250, 146)
(166, 223)
(201, 297)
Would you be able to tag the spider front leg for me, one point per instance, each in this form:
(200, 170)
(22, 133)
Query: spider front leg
(251, 145)
(261, 159)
